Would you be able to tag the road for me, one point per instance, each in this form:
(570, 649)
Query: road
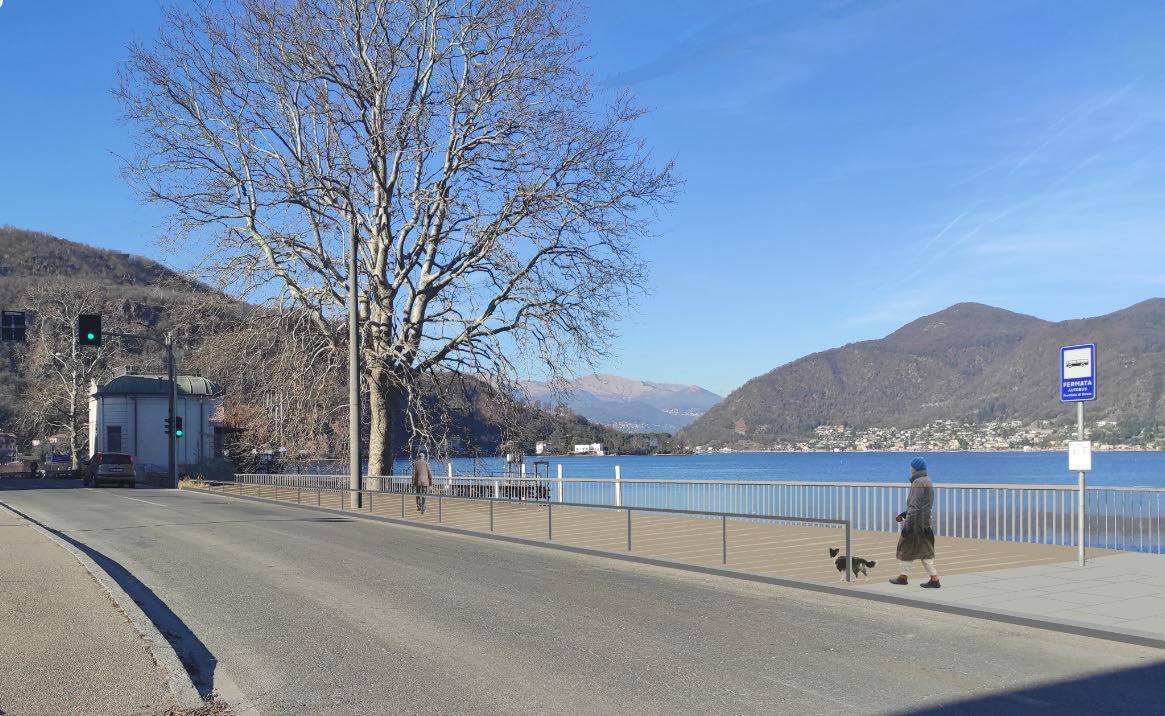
(298, 611)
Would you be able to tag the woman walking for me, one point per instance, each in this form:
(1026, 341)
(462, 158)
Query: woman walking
(916, 541)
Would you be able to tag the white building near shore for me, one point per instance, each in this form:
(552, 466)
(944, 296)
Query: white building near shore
(128, 414)
(589, 449)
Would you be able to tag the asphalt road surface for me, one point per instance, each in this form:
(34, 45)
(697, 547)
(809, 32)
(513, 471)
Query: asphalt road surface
(289, 610)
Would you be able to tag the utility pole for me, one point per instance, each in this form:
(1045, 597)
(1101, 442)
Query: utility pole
(354, 481)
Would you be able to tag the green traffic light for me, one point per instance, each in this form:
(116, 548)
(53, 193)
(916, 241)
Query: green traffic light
(90, 336)
(179, 433)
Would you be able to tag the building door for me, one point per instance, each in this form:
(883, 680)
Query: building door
(112, 438)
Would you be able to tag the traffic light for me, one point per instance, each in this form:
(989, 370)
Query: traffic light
(178, 431)
(12, 326)
(89, 329)
(167, 424)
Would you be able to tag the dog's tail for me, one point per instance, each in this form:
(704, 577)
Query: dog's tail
(833, 551)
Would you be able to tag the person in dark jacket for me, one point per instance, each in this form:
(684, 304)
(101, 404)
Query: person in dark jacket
(916, 540)
(422, 479)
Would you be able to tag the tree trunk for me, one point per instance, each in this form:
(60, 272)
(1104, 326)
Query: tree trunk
(382, 402)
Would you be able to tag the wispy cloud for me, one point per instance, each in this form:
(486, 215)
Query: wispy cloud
(789, 40)
(1070, 121)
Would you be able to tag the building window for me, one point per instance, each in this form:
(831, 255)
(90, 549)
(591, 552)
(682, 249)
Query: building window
(112, 438)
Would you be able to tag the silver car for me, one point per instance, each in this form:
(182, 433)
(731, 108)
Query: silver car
(113, 467)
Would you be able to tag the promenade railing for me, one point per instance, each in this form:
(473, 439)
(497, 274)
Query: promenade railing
(398, 492)
(1122, 518)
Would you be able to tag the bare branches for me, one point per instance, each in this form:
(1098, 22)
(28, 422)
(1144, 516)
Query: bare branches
(496, 210)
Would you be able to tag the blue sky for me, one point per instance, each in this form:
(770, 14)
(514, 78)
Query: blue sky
(849, 166)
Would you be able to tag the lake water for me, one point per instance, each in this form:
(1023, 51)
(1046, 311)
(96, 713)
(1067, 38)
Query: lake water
(1142, 469)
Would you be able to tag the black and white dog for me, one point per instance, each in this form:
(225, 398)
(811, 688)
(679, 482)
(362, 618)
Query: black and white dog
(857, 565)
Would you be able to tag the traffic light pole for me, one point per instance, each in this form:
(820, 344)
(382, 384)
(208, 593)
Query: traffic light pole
(167, 340)
(172, 448)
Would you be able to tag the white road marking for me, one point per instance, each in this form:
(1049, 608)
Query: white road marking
(135, 499)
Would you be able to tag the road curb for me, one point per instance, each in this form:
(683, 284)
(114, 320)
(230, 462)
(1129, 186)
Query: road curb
(1127, 636)
(178, 680)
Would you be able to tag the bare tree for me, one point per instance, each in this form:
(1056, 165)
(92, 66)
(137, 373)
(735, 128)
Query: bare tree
(496, 202)
(283, 384)
(61, 371)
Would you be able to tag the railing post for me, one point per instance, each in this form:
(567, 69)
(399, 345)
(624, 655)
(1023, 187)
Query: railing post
(491, 513)
(440, 509)
(497, 492)
(550, 522)
(560, 496)
(618, 487)
(849, 574)
(298, 496)
(628, 530)
(723, 535)
(402, 504)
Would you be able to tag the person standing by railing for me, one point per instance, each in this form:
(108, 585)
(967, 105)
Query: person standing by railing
(422, 479)
(916, 541)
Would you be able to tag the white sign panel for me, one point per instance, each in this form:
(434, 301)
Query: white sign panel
(1080, 456)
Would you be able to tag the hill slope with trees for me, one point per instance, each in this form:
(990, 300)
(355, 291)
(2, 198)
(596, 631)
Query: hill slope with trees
(272, 384)
(969, 362)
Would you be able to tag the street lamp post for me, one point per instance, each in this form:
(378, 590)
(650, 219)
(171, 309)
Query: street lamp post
(354, 479)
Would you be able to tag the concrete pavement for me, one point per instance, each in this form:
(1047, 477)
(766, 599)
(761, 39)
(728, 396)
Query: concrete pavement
(299, 611)
(65, 648)
(1123, 594)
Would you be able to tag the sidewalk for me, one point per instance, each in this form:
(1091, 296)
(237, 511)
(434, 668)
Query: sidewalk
(65, 648)
(1119, 593)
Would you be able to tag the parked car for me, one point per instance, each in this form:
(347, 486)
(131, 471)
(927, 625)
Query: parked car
(113, 467)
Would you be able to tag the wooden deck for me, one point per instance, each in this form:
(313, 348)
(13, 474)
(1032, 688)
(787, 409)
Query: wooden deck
(776, 549)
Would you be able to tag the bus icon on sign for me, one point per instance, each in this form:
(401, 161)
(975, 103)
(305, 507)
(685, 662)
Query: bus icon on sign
(1077, 363)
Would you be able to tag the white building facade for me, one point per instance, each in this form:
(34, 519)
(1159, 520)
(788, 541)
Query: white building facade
(128, 415)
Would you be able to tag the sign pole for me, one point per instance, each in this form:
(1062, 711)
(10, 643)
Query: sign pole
(1080, 497)
(1078, 384)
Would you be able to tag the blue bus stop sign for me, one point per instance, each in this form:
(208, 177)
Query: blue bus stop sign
(1078, 373)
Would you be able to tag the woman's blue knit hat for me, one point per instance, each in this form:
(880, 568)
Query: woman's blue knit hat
(918, 464)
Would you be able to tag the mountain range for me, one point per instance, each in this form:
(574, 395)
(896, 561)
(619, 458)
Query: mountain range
(969, 362)
(628, 404)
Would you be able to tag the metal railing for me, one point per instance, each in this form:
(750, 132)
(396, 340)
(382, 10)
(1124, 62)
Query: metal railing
(1122, 518)
(303, 489)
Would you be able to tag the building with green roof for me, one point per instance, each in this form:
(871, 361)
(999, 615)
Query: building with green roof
(128, 415)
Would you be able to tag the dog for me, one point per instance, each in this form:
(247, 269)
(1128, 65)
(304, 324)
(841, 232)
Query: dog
(857, 565)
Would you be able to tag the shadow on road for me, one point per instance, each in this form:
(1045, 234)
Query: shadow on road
(1139, 690)
(197, 659)
(24, 483)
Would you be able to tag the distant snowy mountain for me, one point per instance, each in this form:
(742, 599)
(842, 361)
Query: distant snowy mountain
(628, 404)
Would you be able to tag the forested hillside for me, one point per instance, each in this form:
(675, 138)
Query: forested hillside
(969, 362)
(277, 389)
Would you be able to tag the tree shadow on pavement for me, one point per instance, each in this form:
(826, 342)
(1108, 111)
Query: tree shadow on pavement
(199, 662)
(1139, 690)
(24, 483)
